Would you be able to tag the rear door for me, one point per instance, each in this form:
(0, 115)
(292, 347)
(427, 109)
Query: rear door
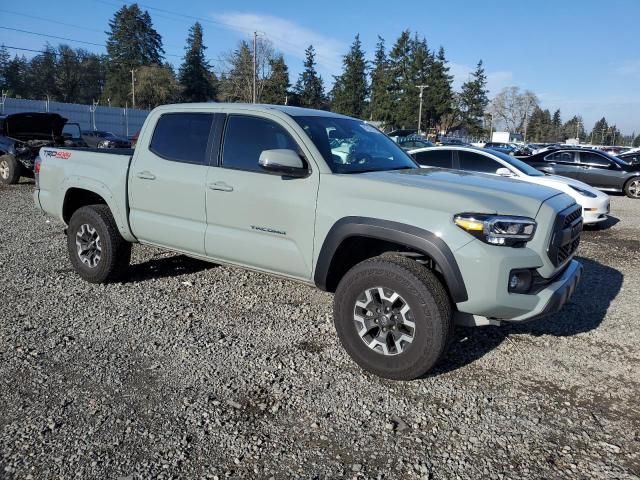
(167, 182)
(255, 218)
(600, 171)
(563, 163)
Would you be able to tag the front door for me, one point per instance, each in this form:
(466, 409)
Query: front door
(167, 183)
(255, 218)
(599, 171)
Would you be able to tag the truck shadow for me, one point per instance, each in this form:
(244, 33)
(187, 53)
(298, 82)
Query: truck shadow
(599, 286)
(165, 267)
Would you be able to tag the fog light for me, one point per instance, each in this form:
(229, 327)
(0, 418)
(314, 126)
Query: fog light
(520, 281)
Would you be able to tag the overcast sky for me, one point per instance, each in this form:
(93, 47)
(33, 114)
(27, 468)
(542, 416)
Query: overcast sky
(582, 56)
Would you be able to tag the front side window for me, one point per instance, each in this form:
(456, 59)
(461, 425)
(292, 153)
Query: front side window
(353, 146)
(247, 137)
(564, 157)
(440, 158)
(474, 162)
(182, 137)
(594, 159)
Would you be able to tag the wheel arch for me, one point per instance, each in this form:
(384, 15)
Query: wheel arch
(78, 196)
(340, 251)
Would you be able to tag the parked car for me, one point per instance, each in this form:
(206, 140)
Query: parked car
(631, 156)
(72, 134)
(594, 167)
(21, 137)
(406, 250)
(412, 142)
(595, 204)
(102, 139)
(451, 141)
(508, 148)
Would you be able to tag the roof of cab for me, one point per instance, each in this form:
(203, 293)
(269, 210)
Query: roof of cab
(291, 111)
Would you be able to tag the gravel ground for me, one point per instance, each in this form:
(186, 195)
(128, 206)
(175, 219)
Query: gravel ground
(190, 370)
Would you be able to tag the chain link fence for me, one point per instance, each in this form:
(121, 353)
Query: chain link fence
(121, 121)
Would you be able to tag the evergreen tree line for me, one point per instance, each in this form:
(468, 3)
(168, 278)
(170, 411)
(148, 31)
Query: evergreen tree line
(386, 89)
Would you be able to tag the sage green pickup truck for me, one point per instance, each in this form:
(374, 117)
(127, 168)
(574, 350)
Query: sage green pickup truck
(326, 200)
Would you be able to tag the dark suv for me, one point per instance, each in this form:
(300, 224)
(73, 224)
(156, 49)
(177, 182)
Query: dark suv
(594, 167)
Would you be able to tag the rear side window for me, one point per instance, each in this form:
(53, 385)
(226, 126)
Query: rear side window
(182, 137)
(474, 162)
(247, 137)
(567, 157)
(434, 158)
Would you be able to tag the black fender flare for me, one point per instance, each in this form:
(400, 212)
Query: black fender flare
(416, 238)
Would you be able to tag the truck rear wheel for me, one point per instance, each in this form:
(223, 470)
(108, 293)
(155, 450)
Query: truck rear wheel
(97, 250)
(393, 316)
(10, 170)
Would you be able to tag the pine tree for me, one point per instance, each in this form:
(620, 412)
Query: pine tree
(42, 74)
(636, 141)
(350, 91)
(380, 105)
(16, 74)
(401, 84)
(556, 125)
(276, 87)
(474, 101)
(439, 94)
(237, 84)
(422, 60)
(599, 134)
(310, 88)
(132, 42)
(5, 58)
(198, 82)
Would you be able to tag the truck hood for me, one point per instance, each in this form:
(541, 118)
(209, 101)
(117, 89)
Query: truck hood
(33, 126)
(464, 191)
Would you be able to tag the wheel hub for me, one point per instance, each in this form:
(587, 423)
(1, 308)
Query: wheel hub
(384, 321)
(4, 169)
(88, 245)
(634, 188)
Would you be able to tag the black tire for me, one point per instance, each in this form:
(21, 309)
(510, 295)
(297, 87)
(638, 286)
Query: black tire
(430, 309)
(115, 251)
(10, 170)
(632, 188)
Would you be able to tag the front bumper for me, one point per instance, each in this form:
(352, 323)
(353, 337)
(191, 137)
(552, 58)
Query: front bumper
(553, 298)
(596, 211)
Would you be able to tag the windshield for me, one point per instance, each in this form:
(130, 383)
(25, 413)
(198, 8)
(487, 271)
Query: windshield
(519, 164)
(352, 146)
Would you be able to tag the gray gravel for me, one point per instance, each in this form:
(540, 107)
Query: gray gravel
(192, 370)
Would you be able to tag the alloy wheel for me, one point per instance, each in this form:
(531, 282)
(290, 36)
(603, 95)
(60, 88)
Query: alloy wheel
(4, 169)
(384, 321)
(634, 188)
(88, 245)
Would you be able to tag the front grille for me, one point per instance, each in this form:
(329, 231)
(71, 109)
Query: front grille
(566, 235)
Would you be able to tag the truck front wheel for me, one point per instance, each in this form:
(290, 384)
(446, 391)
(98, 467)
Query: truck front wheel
(393, 316)
(10, 170)
(97, 250)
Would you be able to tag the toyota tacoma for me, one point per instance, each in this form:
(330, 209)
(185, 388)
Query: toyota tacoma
(326, 200)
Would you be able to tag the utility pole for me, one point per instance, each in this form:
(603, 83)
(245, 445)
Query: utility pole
(3, 98)
(255, 64)
(421, 87)
(92, 109)
(133, 88)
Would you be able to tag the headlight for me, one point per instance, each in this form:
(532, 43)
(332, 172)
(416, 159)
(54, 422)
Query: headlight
(584, 192)
(497, 229)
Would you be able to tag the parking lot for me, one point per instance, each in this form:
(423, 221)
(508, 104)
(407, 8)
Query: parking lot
(191, 370)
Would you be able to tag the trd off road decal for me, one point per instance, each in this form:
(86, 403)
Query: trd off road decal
(56, 154)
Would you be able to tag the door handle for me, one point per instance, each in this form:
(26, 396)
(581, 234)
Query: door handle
(220, 186)
(146, 175)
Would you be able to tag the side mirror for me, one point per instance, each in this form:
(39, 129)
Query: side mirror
(504, 172)
(283, 161)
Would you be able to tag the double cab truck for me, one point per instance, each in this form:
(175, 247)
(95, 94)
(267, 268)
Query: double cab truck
(329, 201)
